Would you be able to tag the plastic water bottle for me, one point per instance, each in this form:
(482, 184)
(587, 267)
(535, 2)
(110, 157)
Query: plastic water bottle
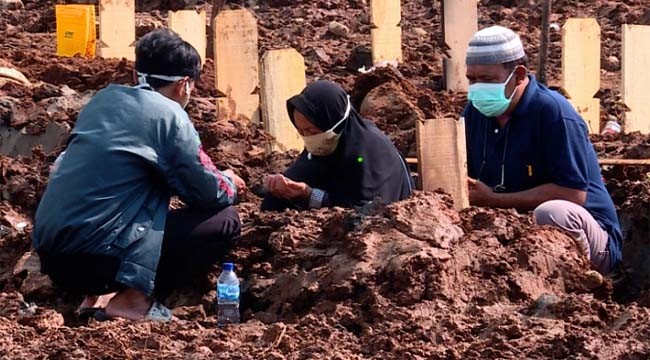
(227, 296)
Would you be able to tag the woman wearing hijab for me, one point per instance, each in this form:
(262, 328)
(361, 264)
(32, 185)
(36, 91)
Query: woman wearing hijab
(347, 160)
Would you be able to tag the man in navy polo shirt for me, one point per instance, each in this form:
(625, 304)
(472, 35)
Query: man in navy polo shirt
(527, 148)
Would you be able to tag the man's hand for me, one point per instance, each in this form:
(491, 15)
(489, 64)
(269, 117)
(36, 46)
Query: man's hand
(239, 182)
(479, 193)
(285, 188)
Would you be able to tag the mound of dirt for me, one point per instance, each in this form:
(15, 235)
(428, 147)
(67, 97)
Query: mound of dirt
(410, 280)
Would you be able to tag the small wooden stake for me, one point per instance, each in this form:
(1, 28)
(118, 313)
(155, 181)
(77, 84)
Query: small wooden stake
(386, 33)
(117, 29)
(636, 77)
(236, 64)
(581, 68)
(282, 76)
(442, 158)
(190, 25)
(460, 22)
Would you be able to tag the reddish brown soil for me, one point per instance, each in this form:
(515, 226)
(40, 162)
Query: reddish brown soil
(414, 280)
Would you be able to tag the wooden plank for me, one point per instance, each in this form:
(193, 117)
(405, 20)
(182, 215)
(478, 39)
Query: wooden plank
(117, 29)
(628, 162)
(386, 33)
(282, 76)
(236, 65)
(460, 23)
(636, 77)
(190, 25)
(581, 68)
(442, 158)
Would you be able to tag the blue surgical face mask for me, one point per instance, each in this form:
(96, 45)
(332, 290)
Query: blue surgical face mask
(490, 99)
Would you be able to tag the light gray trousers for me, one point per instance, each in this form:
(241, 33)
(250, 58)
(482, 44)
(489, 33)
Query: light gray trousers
(578, 222)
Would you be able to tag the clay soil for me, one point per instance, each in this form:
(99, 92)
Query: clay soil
(413, 280)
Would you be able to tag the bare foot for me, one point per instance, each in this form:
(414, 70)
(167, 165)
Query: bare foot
(129, 304)
(93, 301)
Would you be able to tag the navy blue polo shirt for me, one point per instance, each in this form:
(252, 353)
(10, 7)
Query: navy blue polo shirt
(544, 141)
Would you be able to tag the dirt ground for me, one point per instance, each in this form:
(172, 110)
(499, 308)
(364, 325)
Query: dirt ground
(413, 280)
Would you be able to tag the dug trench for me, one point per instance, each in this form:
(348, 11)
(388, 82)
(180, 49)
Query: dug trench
(415, 279)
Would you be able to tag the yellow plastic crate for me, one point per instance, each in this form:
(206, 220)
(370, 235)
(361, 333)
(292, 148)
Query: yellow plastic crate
(75, 30)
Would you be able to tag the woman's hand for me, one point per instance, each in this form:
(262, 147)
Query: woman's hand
(285, 188)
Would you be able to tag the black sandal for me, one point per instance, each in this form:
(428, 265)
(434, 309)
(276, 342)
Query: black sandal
(84, 314)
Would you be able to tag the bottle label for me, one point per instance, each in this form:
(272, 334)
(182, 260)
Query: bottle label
(226, 292)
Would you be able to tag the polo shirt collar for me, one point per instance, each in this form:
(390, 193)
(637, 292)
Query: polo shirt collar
(527, 98)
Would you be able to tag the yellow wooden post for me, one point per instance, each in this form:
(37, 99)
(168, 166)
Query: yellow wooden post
(282, 76)
(386, 33)
(460, 22)
(442, 158)
(190, 25)
(636, 77)
(117, 29)
(581, 68)
(236, 64)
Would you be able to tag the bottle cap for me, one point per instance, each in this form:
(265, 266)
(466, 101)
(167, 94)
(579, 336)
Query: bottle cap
(228, 267)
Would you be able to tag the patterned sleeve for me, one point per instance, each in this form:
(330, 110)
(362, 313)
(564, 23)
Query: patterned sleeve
(191, 173)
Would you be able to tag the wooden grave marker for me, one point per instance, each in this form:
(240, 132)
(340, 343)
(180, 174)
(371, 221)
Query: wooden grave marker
(386, 33)
(636, 77)
(460, 23)
(236, 64)
(282, 76)
(581, 68)
(117, 29)
(190, 25)
(442, 158)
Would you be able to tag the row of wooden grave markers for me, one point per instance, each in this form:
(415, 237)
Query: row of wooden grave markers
(238, 81)
(581, 54)
(117, 29)
(243, 88)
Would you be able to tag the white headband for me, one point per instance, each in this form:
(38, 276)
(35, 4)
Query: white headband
(142, 77)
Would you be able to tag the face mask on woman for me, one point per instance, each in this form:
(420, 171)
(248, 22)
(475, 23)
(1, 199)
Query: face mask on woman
(325, 143)
(490, 99)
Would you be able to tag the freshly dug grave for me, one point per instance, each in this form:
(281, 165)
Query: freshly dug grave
(411, 280)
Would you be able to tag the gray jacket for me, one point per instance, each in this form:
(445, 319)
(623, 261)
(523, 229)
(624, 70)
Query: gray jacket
(130, 151)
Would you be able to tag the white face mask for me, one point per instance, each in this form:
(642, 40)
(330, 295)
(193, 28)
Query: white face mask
(188, 90)
(142, 81)
(325, 143)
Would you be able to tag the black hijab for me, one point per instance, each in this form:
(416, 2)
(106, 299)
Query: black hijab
(365, 165)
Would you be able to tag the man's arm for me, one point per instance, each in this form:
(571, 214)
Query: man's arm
(482, 195)
(191, 173)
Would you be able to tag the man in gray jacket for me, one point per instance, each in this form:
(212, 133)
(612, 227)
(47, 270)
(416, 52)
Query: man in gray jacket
(103, 227)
